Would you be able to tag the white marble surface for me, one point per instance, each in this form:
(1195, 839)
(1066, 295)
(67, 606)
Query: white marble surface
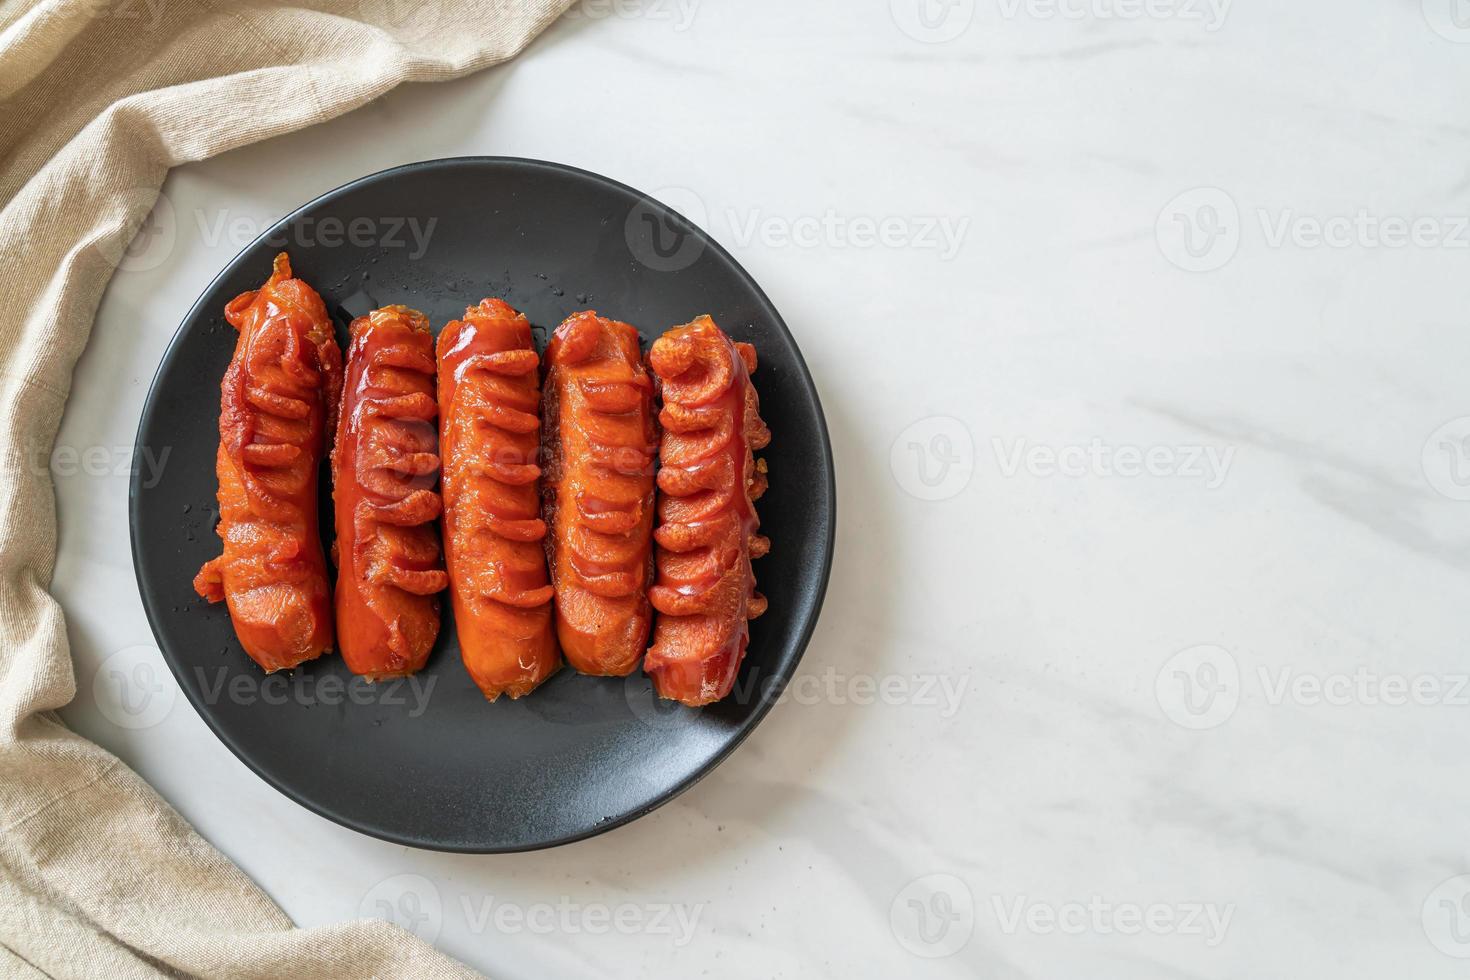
(1074, 477)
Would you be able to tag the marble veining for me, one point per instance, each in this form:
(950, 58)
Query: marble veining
(1140, 330)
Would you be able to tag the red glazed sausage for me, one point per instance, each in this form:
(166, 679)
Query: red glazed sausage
(489, 425)
(385, 469)
(599, 439)
(277, 404)
(708, 482)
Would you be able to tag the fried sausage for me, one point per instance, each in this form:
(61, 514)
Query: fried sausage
(277, 407)
(385, 472)
(599, 438)
(489, 426)
(708, 482)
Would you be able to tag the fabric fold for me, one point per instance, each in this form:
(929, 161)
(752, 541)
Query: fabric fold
(98, 875)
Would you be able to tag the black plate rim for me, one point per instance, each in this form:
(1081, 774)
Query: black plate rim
(770, 692)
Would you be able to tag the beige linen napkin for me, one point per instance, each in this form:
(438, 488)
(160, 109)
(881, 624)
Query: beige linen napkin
(98, 99)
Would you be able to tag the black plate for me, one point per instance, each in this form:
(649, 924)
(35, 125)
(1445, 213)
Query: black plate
(434, 765)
